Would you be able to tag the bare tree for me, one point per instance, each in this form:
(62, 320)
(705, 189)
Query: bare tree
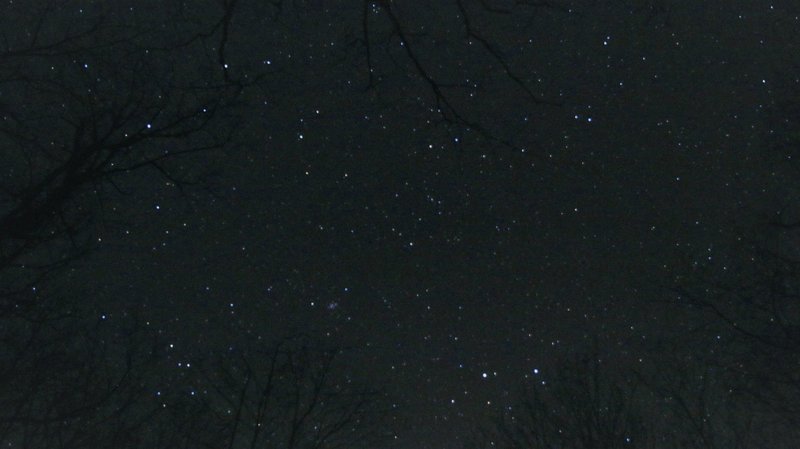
(71, 382)
(697, 408)
(582, 404)
(744, 301)
(293, 396)
(91, 94)
(394, 34)
(753, 313)
(589, 403)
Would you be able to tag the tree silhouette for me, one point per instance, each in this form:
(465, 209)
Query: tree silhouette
(90, 95)
(745, 302)
(77, 383)
(290, 395)
(93, 96)
(582, 404)
(71, 382)
(674, 401)
(753, 312)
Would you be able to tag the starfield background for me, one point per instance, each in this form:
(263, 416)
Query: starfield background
(399, 223)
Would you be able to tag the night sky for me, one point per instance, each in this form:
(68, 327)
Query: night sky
(580, 158)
